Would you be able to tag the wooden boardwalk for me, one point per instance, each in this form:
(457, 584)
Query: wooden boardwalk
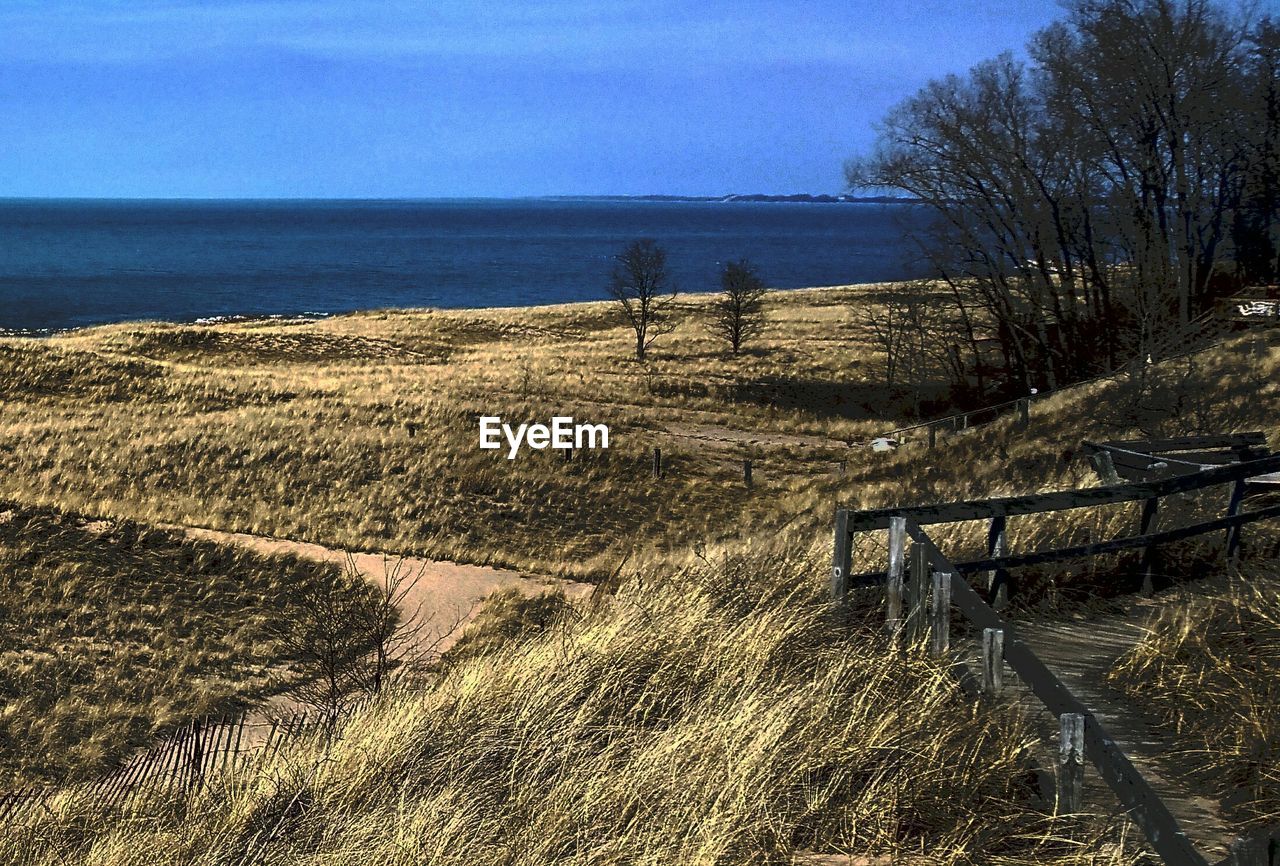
(1080, 652)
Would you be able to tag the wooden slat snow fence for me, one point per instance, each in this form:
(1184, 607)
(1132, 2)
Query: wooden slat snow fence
(192, 756)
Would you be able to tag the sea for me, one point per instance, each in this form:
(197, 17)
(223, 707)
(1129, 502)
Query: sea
(72, 263)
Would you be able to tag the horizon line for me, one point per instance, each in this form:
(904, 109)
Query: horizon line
(532, 197)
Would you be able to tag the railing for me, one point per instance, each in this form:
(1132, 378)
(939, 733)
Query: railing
(1194, 334)
(998, 511)
(922, 585)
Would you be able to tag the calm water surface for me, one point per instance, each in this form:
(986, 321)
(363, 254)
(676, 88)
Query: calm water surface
(72, 263)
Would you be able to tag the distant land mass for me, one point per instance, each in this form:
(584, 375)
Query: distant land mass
(801, 197)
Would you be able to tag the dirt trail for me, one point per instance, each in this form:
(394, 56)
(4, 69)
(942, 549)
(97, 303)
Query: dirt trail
(445, 596)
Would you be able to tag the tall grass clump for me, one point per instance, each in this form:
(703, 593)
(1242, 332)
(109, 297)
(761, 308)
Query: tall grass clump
(717, 716)
(113, 633)
(1210, 672)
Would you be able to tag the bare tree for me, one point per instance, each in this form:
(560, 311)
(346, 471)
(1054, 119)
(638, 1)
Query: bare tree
(393, 633)
(642, 287)
(737, 314)
(325, 638)
(911, 336)
(349, 635)
(1085, 201)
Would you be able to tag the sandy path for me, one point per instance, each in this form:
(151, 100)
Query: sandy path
(444, 597)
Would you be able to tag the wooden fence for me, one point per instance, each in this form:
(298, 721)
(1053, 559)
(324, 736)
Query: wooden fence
(998, 511)
(922, 585)
(1199, 335)
(204, 749)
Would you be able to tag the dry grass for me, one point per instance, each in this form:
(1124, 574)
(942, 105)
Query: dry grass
(1210, 674)
(298, 430)
(116, 633)
(1234, 387)
(717, 716)
(704, 715)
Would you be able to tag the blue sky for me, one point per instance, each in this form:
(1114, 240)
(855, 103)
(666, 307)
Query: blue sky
(351, 98)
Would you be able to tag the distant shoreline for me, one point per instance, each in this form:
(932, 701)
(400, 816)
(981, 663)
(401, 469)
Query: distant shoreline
(308, 317)
(792, 198)
(795, 198)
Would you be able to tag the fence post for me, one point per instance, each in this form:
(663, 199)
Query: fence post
(841, 558)
(933, 435)
(917, 591)
(1150, 508)
(1233, 508)
(992, 661)
(941, 613)
(997, 579)
(1024, 411)
(893, 586)
(746, 473)
(1106, 468)
(657, 462)
(197, 753)
(1249, 851)
(1071, 763)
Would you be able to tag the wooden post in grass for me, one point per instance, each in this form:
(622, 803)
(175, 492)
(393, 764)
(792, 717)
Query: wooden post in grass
(1024, 411)
(894, 583)
(195, 751)
(657, 462)
(933, 435)
(1150, 509)
(1071, 763)
(1106, 468)
(917, 591)
(746, 473)
(992, 661)
(841, 558)
(941, 613)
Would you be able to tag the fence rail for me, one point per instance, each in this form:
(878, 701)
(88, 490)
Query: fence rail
(997, 511)
(1145, 806)
(922, 585)
(1200, 334)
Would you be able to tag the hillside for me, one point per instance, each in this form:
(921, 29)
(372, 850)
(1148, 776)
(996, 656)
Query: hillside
(360, 431)
(703, 706)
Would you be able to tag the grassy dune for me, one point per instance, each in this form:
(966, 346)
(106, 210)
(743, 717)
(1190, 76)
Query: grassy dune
(115, 633)
(300, 430)
(713, 716)
(1210, 674)
(1232, 387)
(708, 712)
